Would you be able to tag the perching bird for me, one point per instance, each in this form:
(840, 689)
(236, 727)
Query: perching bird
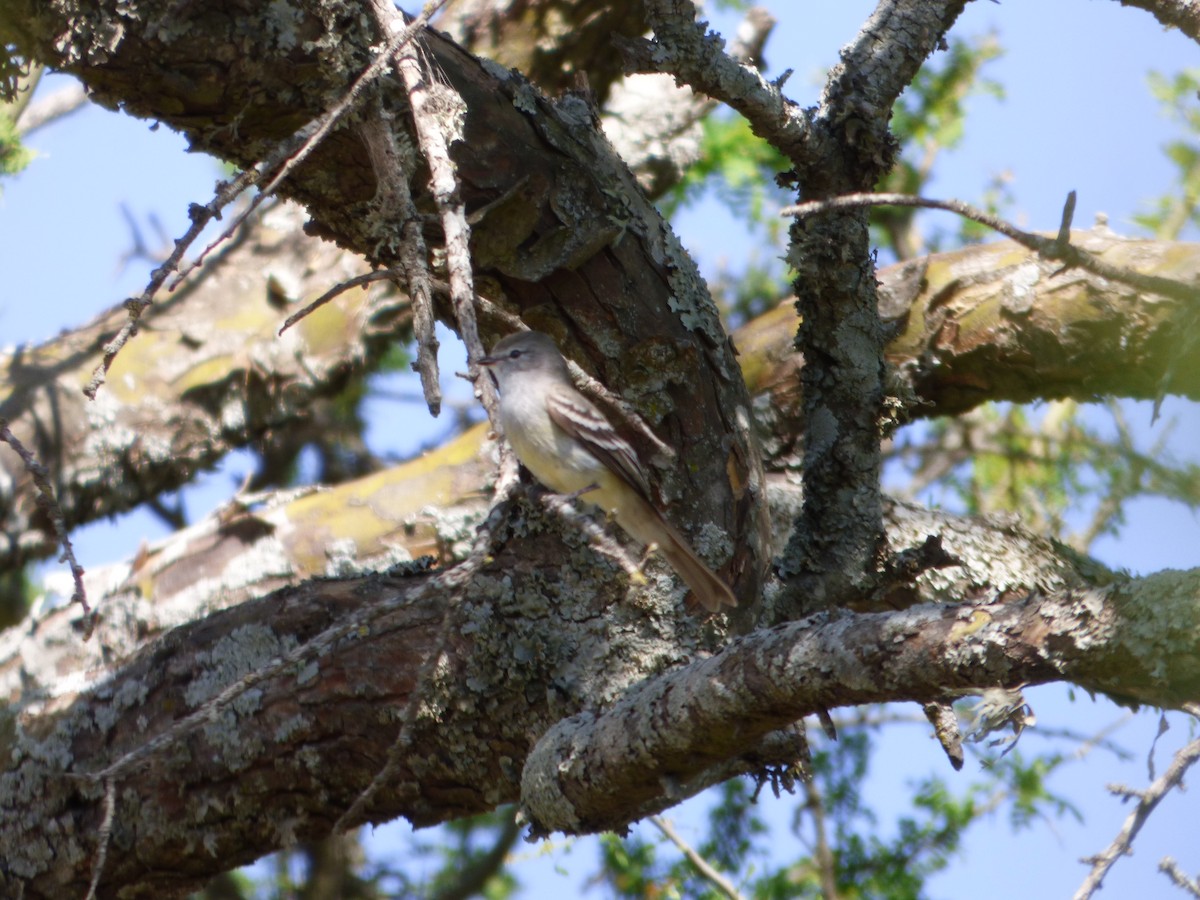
(569, 445)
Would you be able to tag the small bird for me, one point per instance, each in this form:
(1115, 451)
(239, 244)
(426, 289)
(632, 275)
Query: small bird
(570, 446)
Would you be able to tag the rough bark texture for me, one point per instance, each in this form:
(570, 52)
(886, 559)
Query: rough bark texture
(588, 771)
(837, 547)
(994, 322)
(324, 669)
(562, 235)
(988, 322)
(550, 41)
(225, 716)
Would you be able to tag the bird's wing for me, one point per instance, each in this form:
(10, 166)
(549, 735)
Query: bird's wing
(581, 420)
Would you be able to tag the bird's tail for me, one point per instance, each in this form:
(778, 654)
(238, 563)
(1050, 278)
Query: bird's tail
(711, 591)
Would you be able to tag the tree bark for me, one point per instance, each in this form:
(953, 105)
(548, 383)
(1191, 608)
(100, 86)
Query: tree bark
(988, 322)
(207, 372)
(518, 670)
(562, 236)
(259, 725)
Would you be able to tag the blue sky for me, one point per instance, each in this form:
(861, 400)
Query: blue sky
(1077, 116)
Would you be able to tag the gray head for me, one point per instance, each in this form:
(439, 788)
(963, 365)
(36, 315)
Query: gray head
(525, 351)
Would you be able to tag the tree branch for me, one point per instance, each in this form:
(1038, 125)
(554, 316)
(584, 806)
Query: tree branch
(587, 771)
(682, 48)
(41, 113)
(719, 881)
(996, 322)
(185, 394)
(1181, 14)
(1057, 248)
(1147, 800)
(837, 548)
(539, 636)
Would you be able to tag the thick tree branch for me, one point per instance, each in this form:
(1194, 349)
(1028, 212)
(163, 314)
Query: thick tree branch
(530, 648)
(425, 511)
(1181, 14)
(587, 771)
(683, 48)
(261, 724)
(995, 322)
(837, 547)
(560, 231)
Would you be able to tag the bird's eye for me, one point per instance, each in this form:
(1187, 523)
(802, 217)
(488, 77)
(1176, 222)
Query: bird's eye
(514, 354)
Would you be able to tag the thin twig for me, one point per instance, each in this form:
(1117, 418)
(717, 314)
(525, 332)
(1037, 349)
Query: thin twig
(1147, 800)
(103, 836)
(393, 158)
(341, 288)
(1047, 248)
(49, 504)
(1171, 869)
(719, 881)
(281, 162)
(437, 113)
(225, 193)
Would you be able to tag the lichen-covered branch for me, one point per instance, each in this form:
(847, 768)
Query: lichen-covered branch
(684, 49)
(1181, 14)
(995, 322)
(1134, 640)
(837, 547)
(554, 212)
(546, 630)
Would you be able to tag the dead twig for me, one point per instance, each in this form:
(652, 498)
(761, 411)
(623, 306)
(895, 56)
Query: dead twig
(48, 503)
(1147, 800)
(719, 881)
(1058, 247)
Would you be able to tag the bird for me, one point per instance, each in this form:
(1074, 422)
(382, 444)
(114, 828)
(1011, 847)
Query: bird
(571, 447)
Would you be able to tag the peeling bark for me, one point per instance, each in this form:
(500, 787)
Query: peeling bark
(994, 322)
